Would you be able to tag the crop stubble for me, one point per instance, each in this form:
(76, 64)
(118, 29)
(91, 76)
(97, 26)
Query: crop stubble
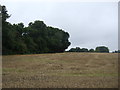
(60, 70)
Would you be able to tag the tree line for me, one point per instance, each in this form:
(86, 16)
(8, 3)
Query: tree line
(116, 51)
(37, 37)
(101, 49)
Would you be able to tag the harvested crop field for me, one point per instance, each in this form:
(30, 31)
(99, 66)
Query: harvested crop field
(60, 70)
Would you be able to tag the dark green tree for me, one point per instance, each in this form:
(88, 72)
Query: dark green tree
(36, 38)
(4, 14)
(102, 49)
(84, 50)
(116, 51)
(91, 50)
(77, 49)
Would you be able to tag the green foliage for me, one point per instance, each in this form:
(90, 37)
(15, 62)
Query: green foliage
(36, 38)
(91, 50)
(84, 50)
(4, 14)
(116, 51)
(77, 49)
(102, 49)
(98, 49)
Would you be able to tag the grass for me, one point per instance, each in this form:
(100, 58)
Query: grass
(61, 70)
(95, 74)
(12, 70)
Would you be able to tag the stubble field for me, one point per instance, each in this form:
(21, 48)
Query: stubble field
(60, 70)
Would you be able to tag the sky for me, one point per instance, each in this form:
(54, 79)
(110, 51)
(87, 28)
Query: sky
(90, 24)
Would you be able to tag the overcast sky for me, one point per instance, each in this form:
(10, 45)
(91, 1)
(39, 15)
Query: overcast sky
(90, 24)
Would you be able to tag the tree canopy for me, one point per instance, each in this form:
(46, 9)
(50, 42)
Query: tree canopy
(78, 49)
(116, 51)
(100, 49)
(36, 38)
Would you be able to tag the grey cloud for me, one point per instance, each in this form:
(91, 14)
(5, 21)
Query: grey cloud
(89, 24)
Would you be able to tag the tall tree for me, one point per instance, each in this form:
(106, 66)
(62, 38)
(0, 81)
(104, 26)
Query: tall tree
(36, 38)
(4, 14)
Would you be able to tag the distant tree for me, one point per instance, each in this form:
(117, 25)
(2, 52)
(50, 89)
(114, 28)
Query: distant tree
(72, 50)
(91, 50)
(98, 49)
(102, 49)
(116, 51)
(84, 50)
(77, 49)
